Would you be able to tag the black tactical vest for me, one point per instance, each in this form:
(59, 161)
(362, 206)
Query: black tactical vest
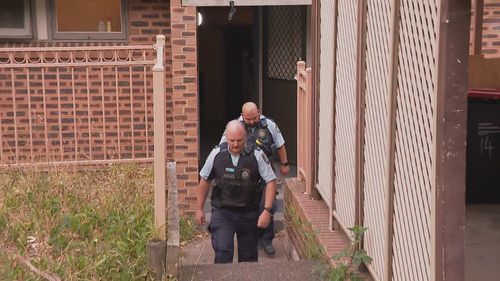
(235, 186)
(261, 137)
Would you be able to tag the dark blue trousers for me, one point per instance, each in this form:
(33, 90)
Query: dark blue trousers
(224, 224)
(268, 234)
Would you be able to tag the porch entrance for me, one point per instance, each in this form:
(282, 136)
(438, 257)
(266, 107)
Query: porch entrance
(250, 58)
(226, 56)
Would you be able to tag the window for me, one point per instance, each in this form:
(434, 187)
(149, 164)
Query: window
(15, 19)
(88, 19)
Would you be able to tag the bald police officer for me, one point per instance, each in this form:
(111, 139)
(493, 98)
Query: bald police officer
(236, 171)
(265, 134)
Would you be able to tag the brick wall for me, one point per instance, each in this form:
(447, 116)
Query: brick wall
(95, 118)
(185, 102)
(491, 29)
(70, 118)
(147, 18)
(301, 237)
(98, 135)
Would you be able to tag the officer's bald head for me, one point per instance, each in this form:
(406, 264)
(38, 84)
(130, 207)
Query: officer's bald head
(235, 126)
(250, 114)
(236, 136)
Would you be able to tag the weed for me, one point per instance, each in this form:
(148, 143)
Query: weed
(355, 255)
(312, 249)
(188, 229)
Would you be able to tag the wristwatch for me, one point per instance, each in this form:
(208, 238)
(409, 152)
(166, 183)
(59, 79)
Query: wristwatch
(284, 164)
(269, 211)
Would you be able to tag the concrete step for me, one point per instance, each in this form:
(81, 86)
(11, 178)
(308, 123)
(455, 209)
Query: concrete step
(283, 270)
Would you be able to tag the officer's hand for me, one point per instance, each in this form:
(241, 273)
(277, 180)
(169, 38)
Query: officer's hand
(200, 216)
(284, 169)
(264, 219)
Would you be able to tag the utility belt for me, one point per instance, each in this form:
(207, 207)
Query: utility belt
(236, 197)
(245, 209)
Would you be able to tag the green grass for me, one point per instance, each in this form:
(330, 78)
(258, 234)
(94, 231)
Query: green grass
(188, 230)
(90, 225)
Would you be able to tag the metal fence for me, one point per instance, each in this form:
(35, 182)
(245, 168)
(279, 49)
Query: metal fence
(76, 104)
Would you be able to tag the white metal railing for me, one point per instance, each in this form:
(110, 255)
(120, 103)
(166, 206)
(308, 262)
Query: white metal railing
(80, 105)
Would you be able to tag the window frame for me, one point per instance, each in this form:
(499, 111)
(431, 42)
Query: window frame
(88, 36)
(21, 33)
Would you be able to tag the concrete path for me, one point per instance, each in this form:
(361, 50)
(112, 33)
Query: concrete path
(199, 251)
(482, 242)
(197, 264)
(290, 271)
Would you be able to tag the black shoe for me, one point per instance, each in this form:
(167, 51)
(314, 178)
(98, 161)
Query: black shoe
(268, 249)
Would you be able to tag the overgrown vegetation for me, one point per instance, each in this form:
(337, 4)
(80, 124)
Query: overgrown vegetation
(188, 229)
(312, 248)
(355, 257)
(79, 225)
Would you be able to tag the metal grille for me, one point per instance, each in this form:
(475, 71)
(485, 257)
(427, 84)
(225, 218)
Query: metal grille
(285, 35)
(345, 123)
(68, 105)
(414, 139)
(377, 90)
(326, 101)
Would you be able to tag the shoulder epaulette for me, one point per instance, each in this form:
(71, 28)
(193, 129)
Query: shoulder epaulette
(263, 122)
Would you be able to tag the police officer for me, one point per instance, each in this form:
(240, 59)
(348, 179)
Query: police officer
(236, 171)
(265, 134)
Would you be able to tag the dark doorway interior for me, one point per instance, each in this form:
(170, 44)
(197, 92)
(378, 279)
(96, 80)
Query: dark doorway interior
(250, 58)
(226, 70)
(239, 74)
(483, 157)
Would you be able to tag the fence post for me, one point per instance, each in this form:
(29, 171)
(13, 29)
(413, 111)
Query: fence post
(308, 136)
(173, 241)
(300, 127)
(159, 139)
(449, 143)
(391, 102)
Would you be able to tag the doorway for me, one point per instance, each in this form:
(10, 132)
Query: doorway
(249, 58)
(226, 70)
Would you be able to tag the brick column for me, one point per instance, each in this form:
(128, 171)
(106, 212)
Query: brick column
(148, 18)
(185, 102)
